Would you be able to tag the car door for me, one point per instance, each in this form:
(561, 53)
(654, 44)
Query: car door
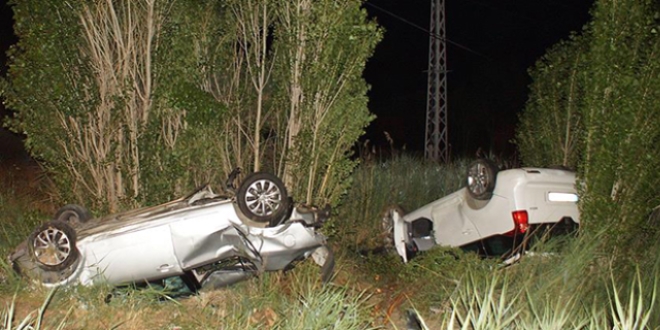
(205, 235)
(137, 253)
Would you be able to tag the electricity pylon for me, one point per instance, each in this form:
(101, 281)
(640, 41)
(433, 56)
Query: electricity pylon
(437, 143)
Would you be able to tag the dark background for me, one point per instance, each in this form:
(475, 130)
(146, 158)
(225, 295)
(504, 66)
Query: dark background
(11, 147)
(487, 84)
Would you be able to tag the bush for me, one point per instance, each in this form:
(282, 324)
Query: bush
(594, 106)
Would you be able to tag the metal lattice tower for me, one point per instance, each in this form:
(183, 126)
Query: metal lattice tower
(437, 143)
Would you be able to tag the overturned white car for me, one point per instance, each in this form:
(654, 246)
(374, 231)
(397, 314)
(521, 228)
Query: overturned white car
(495, 214)
(209, 240)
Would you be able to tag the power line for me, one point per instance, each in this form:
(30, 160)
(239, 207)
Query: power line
(427, 31)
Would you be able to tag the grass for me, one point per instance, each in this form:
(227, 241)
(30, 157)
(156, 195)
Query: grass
(33, 321)
(273, 301)
(581, 288)
(405, 181)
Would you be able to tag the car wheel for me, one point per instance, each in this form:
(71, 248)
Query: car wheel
(262, 197)
(52, 246)
(481, 176)
(73, 214)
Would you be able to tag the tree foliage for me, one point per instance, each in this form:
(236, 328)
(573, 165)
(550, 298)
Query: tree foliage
(127, 102)
(603, 87)
(550, 126)
(324, 46)
(621, 159)
(292, 83)
(106, 92)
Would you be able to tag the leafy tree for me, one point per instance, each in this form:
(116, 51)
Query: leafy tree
(127, 102)
(550, 127)
(621, 158)
(183, 151)
(324, 46)
(603, 86)
(294, 89)
(246, 85)
(103, 104)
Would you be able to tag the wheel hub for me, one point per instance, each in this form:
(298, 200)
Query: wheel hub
(52, 247)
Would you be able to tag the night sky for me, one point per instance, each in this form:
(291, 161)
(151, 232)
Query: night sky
(10, 145)
(487, 84)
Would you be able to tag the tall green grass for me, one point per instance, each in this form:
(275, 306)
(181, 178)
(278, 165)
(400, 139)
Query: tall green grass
(403, 180)
(578, 289)
(293, 300)
(17, 220)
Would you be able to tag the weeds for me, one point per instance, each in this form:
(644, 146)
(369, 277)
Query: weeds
(32, 321)
(326, 307)
(576, 289)
(402, 180)
(484, 304)
(637, 312)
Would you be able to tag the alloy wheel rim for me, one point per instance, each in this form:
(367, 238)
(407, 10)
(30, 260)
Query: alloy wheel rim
(52, 247)
(477, 179)
(263, 198)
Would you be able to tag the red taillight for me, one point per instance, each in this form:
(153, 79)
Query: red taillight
(520, 221)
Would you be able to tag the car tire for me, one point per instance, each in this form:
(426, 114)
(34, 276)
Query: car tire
(73, 214)
(52, 246)
(481, 176)
(262, 197)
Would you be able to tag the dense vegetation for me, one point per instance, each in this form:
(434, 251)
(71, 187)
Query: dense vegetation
(132, 102)
(579, 289)
(168, 94)
(595, 106)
